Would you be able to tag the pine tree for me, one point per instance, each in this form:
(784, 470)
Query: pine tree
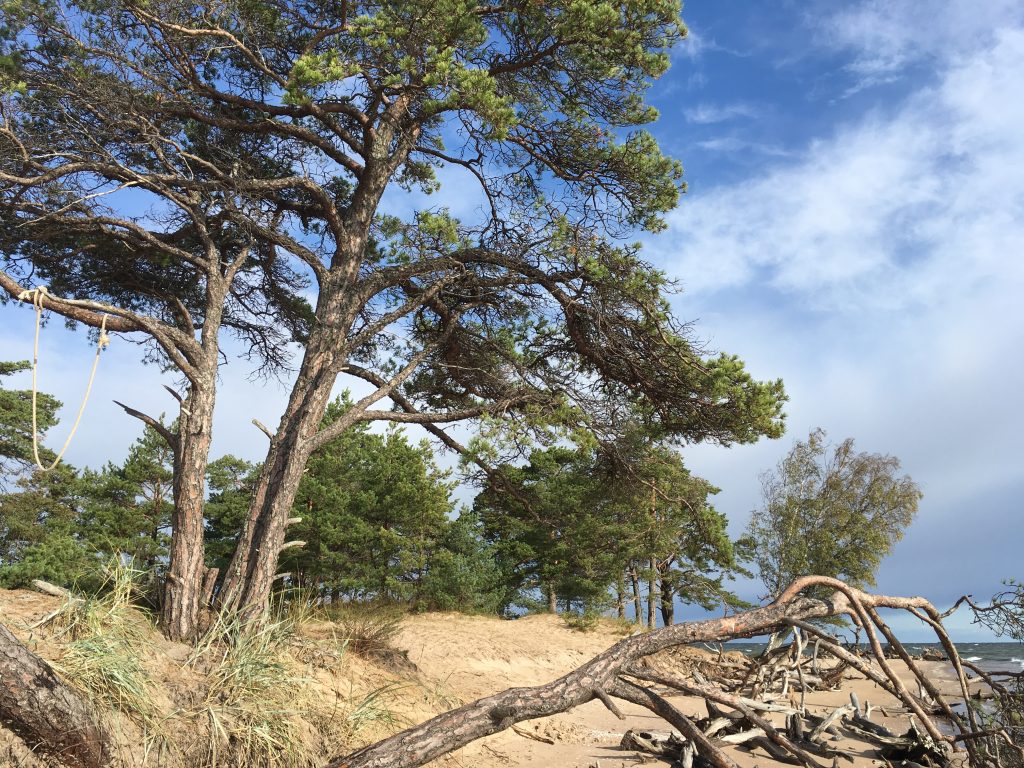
(16, 454)
(266, 135)
(40, 531)
(373, 508)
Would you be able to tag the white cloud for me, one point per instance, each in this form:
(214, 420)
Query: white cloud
(886, 36)
(693, 45)
(890, 211)
(736, 144)
(880, 275)
(704, 114)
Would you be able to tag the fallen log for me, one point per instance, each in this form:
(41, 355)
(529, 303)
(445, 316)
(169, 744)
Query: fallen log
(659, 744)
(50, 589)
(43, 711)
(608, 671)
(827, 722)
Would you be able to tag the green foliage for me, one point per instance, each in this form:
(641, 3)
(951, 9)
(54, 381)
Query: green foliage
(40, 532)
(580, 518)
(16, 425)
(676, 530)
(461, 573)
(63, 525)
(230, 481)
(830, 511)
(545, 101)
(128, 507)
(561, 540)
(582, 621)
(375, 518)
(373, 508)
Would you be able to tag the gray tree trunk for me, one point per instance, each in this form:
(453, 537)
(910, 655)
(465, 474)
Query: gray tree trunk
(638, 603)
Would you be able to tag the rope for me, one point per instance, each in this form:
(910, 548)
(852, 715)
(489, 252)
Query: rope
(36, 297)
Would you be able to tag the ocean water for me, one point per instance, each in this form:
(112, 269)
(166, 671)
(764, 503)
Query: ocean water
(991, 657)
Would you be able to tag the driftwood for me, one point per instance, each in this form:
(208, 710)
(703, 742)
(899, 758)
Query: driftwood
(623, 672)
(50, 589)
(43, 711)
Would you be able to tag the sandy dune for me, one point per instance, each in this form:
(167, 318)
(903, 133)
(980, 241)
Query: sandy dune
(457, 659)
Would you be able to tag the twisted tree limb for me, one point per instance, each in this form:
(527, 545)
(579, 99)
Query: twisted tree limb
(451, 730)
(44, 712)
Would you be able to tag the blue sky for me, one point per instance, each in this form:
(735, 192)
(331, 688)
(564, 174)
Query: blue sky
(854, 225)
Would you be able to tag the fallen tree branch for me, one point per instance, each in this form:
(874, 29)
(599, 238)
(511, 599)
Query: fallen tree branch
(425, 742)
(645, 697)
(44, 712)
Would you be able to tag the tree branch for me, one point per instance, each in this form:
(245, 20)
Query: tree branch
(425, 742)
(164, 432)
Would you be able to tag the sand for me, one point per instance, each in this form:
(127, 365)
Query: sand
(477, 657)
(458, 659)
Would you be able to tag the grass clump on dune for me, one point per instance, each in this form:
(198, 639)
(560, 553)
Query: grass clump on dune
(368, 630)
(253, 699)
(104, 636)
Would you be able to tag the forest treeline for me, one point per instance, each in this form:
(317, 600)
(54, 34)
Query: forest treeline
(375, 519)
(584, 526)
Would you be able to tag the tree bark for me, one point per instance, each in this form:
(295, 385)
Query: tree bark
(668, 602)
(652, 594)
(250, 576)
(183, 590)
(552, 600)
(620, 597)
(638, 605)
(43, 711)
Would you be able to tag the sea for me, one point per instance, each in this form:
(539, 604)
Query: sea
(991, 657)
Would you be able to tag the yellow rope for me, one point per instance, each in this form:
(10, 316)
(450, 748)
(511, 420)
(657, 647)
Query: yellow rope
(36, 296)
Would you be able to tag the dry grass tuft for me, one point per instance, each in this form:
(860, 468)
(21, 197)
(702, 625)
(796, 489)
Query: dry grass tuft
(255, 702)
(103, 637)
(370, 630)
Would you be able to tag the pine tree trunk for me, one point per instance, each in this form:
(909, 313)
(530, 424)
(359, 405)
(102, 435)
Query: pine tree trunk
(250, 577)
(44, 712)
(552, 600)
(668, 604)
(638, 604)
(652, 596)
(186, 568)
(620, 597)
(183, 590)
